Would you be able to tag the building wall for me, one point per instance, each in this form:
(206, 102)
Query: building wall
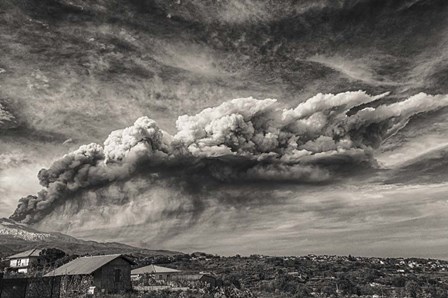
(150, 279)
(23, 270)
(163, 275)
(23, 262)
(114, 277)
(30, 288)
(74, 285)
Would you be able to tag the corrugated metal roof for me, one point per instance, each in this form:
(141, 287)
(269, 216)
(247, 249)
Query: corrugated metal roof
(26, 254)
(85, 265)
(153, 269)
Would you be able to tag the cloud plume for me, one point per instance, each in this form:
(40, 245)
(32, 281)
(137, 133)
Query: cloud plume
(7, 120)
(244, 139)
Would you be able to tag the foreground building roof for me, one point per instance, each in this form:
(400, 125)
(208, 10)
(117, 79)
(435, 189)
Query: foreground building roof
(153, 269)
(85, 265)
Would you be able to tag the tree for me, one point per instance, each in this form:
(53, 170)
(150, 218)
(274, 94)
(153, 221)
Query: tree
(51, 255)
(411, 288)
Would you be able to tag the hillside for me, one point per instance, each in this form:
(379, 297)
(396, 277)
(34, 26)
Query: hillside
(16, 237)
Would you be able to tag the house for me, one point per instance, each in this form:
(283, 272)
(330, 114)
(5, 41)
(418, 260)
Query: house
(155, 272)
(107, 274)
(24, 261)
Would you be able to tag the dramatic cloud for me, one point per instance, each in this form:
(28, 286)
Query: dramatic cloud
(7, 120)
(358, 69)
(244, 139)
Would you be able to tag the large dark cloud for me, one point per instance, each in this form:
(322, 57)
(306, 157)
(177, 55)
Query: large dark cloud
(244, 140)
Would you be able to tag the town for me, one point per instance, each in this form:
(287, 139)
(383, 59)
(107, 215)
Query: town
(50, 272)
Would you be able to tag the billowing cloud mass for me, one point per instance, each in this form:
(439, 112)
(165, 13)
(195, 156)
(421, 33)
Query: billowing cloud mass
(244, 139)
(6, 118)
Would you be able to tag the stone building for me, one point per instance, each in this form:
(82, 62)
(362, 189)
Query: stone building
(106, 274)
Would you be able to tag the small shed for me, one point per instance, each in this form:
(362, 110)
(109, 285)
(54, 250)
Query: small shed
(108, 273)
(23, 261)
(156, 272)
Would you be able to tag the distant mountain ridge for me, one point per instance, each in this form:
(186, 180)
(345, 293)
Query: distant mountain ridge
(17, 230)
(16, 237)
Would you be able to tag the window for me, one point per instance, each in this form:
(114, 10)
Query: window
(117, 277)
(22, 262)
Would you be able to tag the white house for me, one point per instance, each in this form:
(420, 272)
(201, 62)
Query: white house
(23, 261)
(156, 272)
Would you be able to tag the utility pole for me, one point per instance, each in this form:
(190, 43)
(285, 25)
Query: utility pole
(26, 288)
(51, 286)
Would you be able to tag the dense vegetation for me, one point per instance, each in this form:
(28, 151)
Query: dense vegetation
(305, 276)
(317, 276)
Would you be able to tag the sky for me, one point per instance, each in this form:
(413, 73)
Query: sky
(228, 126)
